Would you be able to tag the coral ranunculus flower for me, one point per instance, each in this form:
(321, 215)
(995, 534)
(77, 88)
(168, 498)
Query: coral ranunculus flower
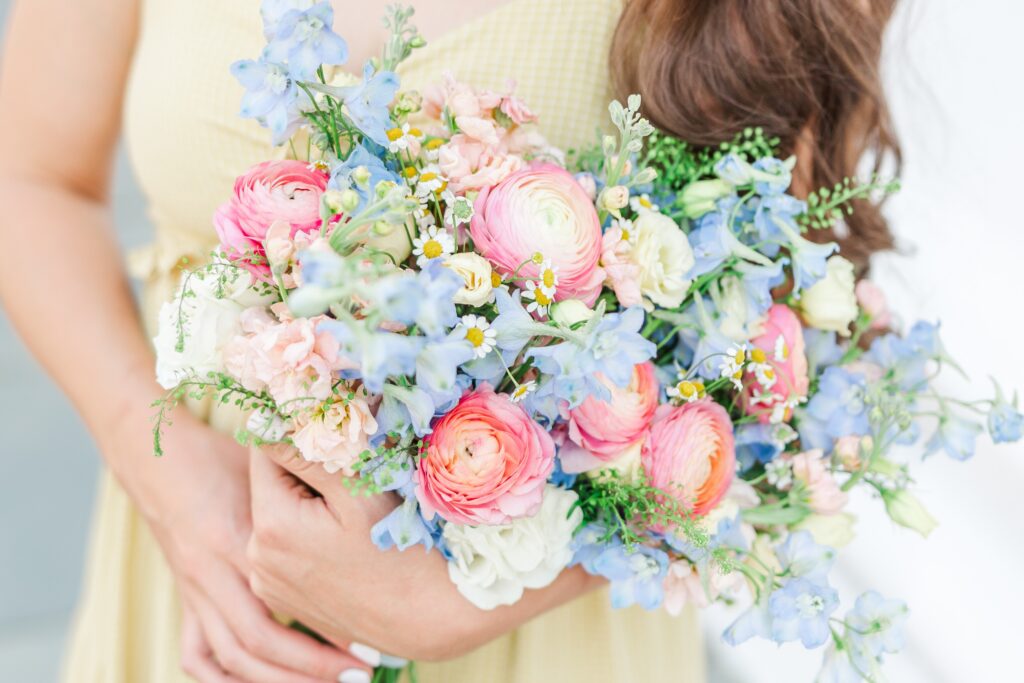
(486, 462)
(285, 191)
(690, 454)
(782, 382)
(541, 209)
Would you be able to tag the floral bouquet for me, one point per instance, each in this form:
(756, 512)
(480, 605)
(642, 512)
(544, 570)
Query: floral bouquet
(639, 361)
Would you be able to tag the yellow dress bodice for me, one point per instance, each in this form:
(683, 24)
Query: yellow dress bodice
(187, 145)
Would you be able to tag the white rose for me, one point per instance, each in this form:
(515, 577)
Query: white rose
(736, 317)
(571, 311)
(831, 304)
(202, 322)
(664, 256)
(475, 271)
(492, 565)
(393, 241)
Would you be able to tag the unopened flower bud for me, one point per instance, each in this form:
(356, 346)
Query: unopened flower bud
(570, 312)
(361, 176)
(613, 198)
(906, 510)
(698, 198)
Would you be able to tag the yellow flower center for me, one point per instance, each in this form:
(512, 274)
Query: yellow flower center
(769, 374)
(740, 357)
(394, 134)
(432, 249)
(686, 389)
(625, 235)
(538, 258)
(758, 356)
(548, 276)
(416, 132)
(646, 203)
(475, 336)
(495, 279)
(409, 172)
(434, 144)
(541, 297)
(427, 177)
(444, 186)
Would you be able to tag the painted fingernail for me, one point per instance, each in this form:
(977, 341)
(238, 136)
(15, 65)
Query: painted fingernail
(354, 676)
(364, 653)
(393, 662)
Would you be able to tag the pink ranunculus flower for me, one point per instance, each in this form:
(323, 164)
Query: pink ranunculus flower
(541, 209)
(285, 191)
(337, 434)
(690, 454)
(485, 462)
(872, 299)
(609, 430)
(782, 383)
(824, 495)
(286, 356)
(470, 165)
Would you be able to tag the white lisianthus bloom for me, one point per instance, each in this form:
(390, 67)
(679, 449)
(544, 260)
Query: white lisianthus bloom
(664, 256)
(194, 328)
(831, 304)
(492, 565)
(475, 272)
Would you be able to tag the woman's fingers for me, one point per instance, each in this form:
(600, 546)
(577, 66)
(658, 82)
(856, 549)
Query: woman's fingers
(312, 474)
(257, 632)
(196, 656)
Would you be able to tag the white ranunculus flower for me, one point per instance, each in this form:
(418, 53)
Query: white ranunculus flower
(831, 304)
(664, 255)
(208, 318)
(492, 565)
(475, 272)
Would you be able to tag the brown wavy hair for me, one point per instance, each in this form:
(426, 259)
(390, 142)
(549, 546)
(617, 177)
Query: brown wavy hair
(807, 71)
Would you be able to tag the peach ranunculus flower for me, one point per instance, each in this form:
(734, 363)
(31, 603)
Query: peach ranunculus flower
(609, 430)
(336, 433)
(824, 495)
(690, 454)
(285, 191)
(778, 377)
(541, 209)
(287, 356)
(485, 462)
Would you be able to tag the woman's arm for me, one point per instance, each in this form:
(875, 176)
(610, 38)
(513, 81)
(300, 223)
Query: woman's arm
(313, 559)
(62, 283)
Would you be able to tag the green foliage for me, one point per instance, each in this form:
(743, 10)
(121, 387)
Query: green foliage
(679, 163)
(826, 207)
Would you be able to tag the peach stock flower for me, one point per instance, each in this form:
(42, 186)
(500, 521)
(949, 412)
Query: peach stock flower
(607, 431)
(541, 209)
(690, 454)
(486, 462)
(824, 495)
(285, 190)
(336, 434)
(872, 299)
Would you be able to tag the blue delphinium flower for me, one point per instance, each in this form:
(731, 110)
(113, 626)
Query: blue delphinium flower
(758, 282)
(1005, 422)
(367, 103)
(435, 309)
(378, 355)
(770, 212)
(403, 410)
(772, 176)
(270, 97)
(808, 261)
(395, 297)
(876, 624)
(302, 37)
(361, 158)
(514, 327)
(405, 527)
(800, 611)
(907, 357)
(756, 621)
(704, 345)
(733, 169)
(588, 544)
(821, 349)
(637, 577)
(438, 364)
(956, 436)
(756, 443)
(801, 556)
(837, 410)
(560, 477)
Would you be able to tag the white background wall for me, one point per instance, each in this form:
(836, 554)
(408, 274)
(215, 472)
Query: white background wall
(953, 70)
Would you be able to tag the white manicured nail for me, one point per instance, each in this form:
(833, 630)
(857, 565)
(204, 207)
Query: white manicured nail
(354, 676)
(365, 654)
(392, 662)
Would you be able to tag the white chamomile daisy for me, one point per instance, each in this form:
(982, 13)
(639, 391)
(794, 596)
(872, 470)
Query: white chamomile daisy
(457, 210)
(781, 349)
(732, 365)
(539, 301)
(762, 369)
(686, 391)
(400, 139)
(547, 279)
(432, 244)
(319, 165)
(479, 333)
(430, 181)
(521, 391)
(765, 398)
(627, 230)
(779, 474)
(783, 410)
(642, 204)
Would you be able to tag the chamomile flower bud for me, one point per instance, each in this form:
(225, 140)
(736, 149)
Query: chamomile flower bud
(361, 176)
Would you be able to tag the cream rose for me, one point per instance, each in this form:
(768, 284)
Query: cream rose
(831, 304)
(492, 565)
(664, 256)
(475, 271)
(203, 323)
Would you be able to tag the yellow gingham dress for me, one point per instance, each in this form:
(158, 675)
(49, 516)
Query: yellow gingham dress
(187, 144)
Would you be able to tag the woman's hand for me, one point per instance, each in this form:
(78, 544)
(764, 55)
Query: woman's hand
(312, 558)
(196, 501)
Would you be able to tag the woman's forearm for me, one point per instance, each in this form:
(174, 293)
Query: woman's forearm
(63, 286)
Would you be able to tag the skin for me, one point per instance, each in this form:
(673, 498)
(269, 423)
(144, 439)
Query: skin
(55, 184)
